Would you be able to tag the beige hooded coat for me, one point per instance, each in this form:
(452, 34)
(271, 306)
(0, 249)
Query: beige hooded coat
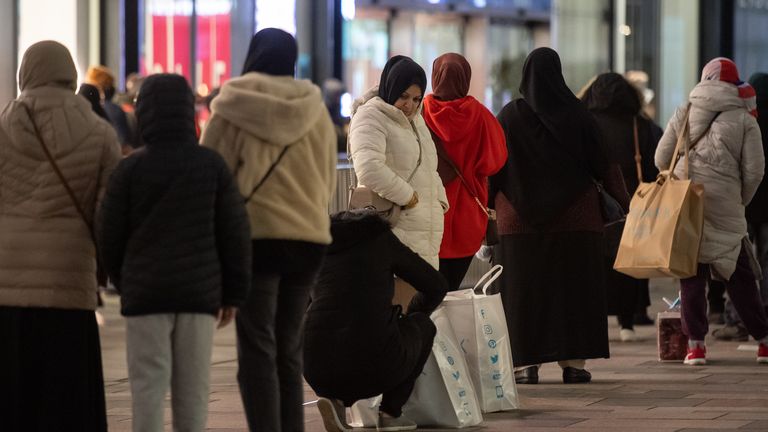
(728, 161)
(384, 147)
(255, 118)
(47, 256)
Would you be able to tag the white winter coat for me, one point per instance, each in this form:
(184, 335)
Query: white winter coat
(728, 161)
(384, 148)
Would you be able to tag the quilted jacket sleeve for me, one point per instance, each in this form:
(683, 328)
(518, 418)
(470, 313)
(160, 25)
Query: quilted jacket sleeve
(110, 157)
(668, 141)
(430, 285)
(233, 240)
(752, 160)
(112, 227)
(368, 144)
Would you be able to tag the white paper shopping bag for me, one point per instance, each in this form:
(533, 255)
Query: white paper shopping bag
(480, 325)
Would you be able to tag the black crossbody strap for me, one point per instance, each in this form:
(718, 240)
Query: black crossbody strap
(266, 176)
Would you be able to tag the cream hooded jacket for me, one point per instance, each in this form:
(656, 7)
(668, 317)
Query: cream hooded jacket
(47, 256)
(728, 161)
(384, 148)
(258, 117)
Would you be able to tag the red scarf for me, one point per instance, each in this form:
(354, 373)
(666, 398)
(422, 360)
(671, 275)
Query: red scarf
(474, 140)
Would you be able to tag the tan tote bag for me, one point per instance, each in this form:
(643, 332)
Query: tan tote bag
(662, 233)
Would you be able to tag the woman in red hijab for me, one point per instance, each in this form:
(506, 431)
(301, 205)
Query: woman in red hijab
(469, 137)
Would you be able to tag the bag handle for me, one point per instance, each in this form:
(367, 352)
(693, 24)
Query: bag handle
(638, 156)
(488, 278)
(444, 155)
(683, 148)
(60, 175)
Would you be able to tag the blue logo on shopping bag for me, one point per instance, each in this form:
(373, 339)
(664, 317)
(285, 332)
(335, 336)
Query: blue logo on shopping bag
(492, 343)
(451, 361)
(462, 393)
(499, 392)
(482, 313)
(456, 375)
(496, 376)
(487, 329)
(494, 359)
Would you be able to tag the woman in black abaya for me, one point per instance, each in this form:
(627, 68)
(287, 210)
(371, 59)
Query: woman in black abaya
(550, 225)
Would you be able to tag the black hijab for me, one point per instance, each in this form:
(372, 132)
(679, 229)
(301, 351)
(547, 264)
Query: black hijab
(93, 95)
(553, 144)
(399, 73)
(272, 51)
(611, 92)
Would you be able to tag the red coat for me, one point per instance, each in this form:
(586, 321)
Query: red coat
(474, 140)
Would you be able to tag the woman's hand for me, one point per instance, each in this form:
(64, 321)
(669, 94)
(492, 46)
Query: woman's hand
(225, 316)
(412, 203)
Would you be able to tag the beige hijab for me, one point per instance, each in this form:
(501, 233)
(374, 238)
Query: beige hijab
(47, 63)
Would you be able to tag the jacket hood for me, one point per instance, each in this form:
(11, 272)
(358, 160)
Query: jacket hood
(717, 96)
(449, 119)
(372, 100)
(351, 228)
(47, 63)
(47, 105)
(277, 109)
(165, 111)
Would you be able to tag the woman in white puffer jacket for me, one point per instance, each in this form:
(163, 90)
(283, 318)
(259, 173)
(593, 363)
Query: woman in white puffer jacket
(388, 142)
(728, 160)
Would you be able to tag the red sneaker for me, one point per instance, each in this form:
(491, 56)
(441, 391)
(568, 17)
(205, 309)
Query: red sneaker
(762, 353)
(696, 356)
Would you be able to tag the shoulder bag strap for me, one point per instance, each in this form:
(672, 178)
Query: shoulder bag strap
(60, 175)
(683, 147)
(638, 156)
(464, 182)
(269, 172)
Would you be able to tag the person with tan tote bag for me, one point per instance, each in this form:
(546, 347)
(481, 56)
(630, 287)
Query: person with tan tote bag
(726, 160)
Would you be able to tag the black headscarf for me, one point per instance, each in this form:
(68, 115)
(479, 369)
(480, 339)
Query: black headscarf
(92, 94)
(553, 144)
(399, 73)
(272, 51)
(611, 92)
(165, 111)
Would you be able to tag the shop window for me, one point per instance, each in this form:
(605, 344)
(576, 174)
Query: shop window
(365, 47)
(167, 40)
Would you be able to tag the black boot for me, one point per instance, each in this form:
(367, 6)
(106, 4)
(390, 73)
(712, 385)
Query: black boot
(529, 375)
(572, 375)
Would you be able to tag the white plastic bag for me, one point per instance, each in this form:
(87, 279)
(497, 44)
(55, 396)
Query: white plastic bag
(443, 395)
(480, 325)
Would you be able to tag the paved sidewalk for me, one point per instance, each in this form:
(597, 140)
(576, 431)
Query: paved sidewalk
(630, 392)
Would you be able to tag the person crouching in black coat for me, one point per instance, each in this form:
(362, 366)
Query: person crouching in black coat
(175, 239)
(357, 344)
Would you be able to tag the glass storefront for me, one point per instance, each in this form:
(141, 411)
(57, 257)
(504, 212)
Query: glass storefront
(495, 47)
(749, 42)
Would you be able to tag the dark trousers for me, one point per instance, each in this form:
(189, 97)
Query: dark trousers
(50, 371)
(742, 290)
(454, 270)
(270, 335)
(422, 332)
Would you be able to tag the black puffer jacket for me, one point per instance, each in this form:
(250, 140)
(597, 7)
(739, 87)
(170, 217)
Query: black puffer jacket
(352, 301)
(173, 232)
